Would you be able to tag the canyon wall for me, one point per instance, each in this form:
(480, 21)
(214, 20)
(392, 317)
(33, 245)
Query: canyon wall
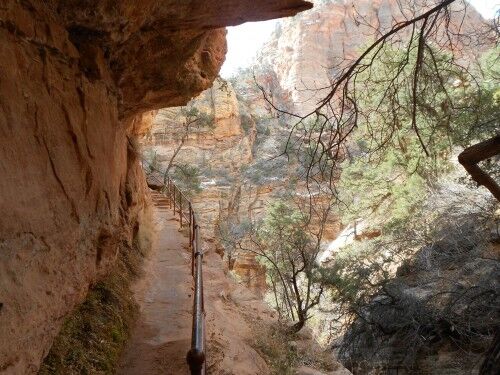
(71, 191)
(289, 69)
(73, 76)
(306, 51)
(234, 148)
(221, 148)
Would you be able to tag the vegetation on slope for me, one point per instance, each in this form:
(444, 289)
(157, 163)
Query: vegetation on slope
(94, 335)
(434, 228)
(429, 220)
(285, 351)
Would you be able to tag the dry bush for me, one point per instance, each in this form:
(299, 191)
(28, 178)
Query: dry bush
(284, 351)
(445, 296)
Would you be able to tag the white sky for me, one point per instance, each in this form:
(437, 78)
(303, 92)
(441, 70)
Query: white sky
(245, 40)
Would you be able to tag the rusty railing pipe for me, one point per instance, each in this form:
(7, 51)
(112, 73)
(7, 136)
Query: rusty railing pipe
(196, 356)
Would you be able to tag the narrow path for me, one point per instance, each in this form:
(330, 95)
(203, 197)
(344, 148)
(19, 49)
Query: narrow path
(161, 338)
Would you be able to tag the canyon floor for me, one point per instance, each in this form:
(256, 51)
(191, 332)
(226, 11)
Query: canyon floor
(161, 337)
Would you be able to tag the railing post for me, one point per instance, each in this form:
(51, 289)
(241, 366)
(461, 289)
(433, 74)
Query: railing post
(193, 247)
(169, 193)
(190, 226)
(173, 191)
(180, 207)
(196, 356)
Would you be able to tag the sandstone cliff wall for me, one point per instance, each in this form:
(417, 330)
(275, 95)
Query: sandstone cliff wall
(69, 192)
(73, 74)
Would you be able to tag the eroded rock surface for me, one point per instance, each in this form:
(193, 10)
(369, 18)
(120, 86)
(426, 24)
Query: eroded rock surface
(235, 152)
(73, 74)
(162, 53)
(221, 149)
(70, 192)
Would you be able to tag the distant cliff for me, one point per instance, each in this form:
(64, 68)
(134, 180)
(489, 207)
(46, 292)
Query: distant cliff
(304, 50)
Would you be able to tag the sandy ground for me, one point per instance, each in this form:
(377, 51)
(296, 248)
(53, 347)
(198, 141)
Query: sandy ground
(161, 337)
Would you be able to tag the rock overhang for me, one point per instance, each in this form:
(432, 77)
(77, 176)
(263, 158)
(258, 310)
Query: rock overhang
(161, 53)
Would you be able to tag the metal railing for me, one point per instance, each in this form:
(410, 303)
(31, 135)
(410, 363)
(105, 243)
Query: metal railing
(196, 356)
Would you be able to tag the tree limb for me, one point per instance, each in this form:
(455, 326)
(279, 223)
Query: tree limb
(470, 157)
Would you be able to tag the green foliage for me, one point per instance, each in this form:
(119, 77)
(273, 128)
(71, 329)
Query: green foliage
(189, 112)
(206, 120)
(476, 113)
(199, 118)
(283, 228)
(283, 231)
(391, 186)
(288, 249)
(388, 173)
(309, 157)
(187, 178)
(93, 336)
(395, 176)
(357, 271)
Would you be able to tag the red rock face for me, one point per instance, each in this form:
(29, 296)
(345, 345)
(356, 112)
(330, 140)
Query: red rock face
(69, 192)
(73, 74)
(162, 53)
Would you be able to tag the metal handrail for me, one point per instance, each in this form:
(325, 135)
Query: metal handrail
(196, 356)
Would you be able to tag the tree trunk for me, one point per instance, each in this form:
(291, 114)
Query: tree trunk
(491, 364)
(298, 326)
(473, 155)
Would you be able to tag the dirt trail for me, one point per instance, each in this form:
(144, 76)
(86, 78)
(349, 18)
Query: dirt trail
(161, 337)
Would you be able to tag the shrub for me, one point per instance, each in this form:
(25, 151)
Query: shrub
(284, 352)
(246, 123)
